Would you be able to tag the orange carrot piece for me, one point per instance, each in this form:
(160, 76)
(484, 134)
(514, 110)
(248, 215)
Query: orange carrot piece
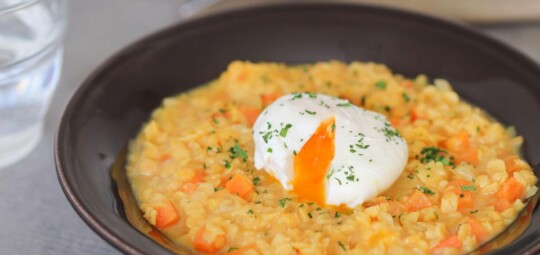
(415, 115)
(417, 201)
(191, 184)
(188, 187)
(511, 164)
(465, 201)
(156, 235)
(268, 99)
(459, 182)
(208, 243)
(251, 114)
(166, 215)
(164, 157)
(198, 177)
(395, 121)
(501, 205)
(478, 230)
(450, 242)
(460, 147)
(240, 185)
(511, 190)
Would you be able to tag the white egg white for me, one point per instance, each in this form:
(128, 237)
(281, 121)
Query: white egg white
(369, 154)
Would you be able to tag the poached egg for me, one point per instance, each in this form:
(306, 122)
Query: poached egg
(327, 150)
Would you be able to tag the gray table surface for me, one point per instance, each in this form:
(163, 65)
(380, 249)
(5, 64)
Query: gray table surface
(35, 217)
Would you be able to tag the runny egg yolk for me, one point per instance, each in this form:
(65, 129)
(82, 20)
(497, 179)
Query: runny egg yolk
(312, 162)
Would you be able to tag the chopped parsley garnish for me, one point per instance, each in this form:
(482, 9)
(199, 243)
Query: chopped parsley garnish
(218, 189)
(380, 84)
(227, 164)
(363, 101)
(336, 215)
(296, 96)
(390, 133)
(256, 180)
(425, 190)
(267, 136)
(311, 95)
(310, 112)
(473, 211)
(436, 215)
(330, 174)
(344, 104)
(269, 150)
(250, 211)
(350, 177)
(232, 249)
(434, 154)
(237, 152)
(406, 97)
(410, 176)
(309, 215)
(339, 181)
(469, 188)
(214, 120)
(283, 201)
(284, 130)
(342, 245)
(387, 108)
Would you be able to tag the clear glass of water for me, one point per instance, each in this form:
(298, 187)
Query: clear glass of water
(31, 35)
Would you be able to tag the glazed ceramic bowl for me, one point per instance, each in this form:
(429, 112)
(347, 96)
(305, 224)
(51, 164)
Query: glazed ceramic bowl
(111, 105)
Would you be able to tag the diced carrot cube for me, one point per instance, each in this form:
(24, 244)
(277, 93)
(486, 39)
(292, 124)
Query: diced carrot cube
(166, 215)
(450, 242)
(251, 114)
(478, 230)
(511, 190)
(417, 201)
(208, 242)
(240, 185)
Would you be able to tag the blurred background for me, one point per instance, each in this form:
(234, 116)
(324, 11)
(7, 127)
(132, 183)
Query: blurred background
(35, 217)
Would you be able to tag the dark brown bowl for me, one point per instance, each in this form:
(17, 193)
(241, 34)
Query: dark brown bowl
(113, 102)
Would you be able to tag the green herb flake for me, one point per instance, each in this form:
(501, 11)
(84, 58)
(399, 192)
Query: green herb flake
(214, 120)
(434, 154)
(284, 130)
(283, 201)
(232, 249)
(344, 105)
(227, 164)
(218, 189)
(473, 211)
(337, 215)
(425, 190)
(310, 112)
(267, 136)
(237, 152)
(380, 84)
(250, 211)
(342, 245)
(436, 215)
(406, 97)
(309, 215)
(256, 180)
(269, 150)
(468, 188)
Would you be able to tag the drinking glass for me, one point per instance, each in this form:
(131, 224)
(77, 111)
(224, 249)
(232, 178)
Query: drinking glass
(31, 35)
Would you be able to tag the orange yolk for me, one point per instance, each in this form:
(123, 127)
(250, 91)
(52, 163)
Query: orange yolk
(312, 162)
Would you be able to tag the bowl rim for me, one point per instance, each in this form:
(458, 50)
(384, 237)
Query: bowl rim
(61, 161)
